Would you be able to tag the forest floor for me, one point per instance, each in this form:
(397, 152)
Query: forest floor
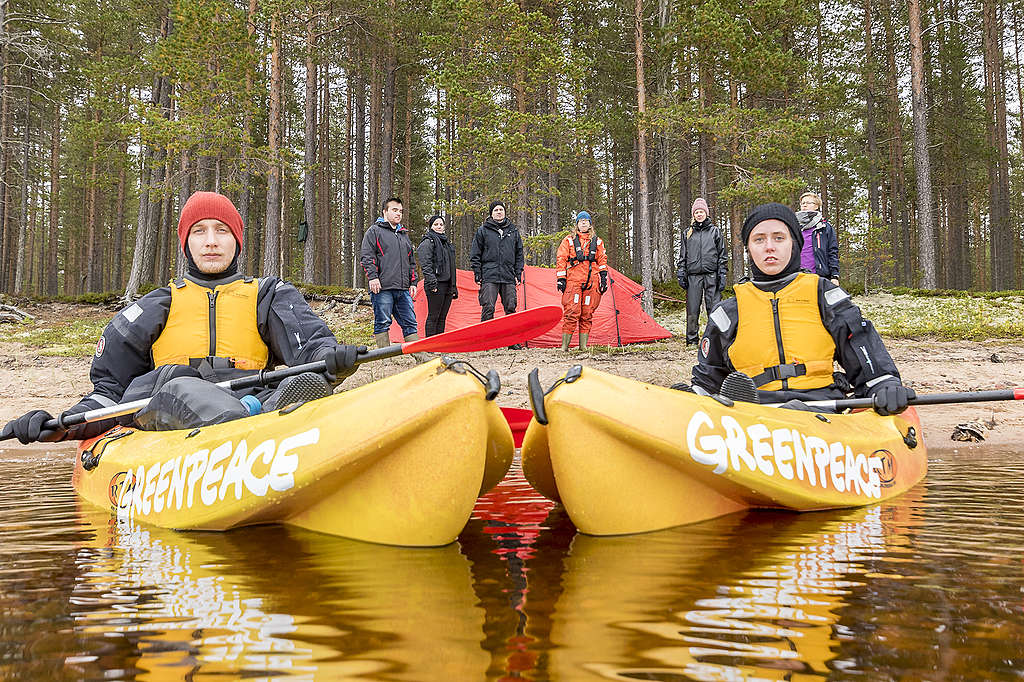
(45, 365)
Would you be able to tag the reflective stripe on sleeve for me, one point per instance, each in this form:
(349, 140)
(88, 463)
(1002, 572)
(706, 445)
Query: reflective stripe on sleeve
(721, 319)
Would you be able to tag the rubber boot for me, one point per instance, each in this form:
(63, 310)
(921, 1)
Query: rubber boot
(420, 357)
(583, 340)
(383, 339)
(566, 338)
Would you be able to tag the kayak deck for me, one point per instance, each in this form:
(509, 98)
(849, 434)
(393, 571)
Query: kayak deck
(398, 461)
(628, 457)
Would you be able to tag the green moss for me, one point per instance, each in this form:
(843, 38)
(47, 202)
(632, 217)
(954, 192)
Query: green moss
(358, 331)
(74, 338)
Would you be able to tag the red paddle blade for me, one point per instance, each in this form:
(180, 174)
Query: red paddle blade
(501, 331)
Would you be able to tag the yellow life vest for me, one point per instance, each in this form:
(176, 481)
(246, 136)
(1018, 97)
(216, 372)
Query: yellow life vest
(227, 313)
(781, 342)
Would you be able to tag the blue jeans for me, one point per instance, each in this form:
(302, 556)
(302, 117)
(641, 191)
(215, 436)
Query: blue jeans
(395, 302)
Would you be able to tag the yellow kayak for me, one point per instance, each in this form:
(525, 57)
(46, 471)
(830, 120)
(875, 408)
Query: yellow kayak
(399, 461)
(629, 457)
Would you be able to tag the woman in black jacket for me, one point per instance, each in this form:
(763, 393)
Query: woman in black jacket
(437, 261)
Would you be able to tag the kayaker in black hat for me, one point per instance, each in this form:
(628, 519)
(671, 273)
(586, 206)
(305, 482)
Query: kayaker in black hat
(785, 328)
(211, 325)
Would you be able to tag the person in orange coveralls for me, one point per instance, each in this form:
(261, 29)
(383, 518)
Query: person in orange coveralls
(582, 272)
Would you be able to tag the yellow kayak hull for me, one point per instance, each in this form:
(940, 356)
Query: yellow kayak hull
(628, 457)
(399, 461)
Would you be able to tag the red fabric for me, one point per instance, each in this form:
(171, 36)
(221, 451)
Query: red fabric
(203, 205)
(518, 419)
(635, 326)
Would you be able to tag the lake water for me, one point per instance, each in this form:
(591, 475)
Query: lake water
(929, 586)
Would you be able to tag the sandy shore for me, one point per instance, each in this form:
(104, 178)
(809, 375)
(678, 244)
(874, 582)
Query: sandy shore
(30, 380)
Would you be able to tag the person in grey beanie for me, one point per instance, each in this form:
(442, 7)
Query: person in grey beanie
(786, 329)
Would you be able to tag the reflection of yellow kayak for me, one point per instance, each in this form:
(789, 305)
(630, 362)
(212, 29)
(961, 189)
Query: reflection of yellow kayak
(687, 605)
(398, 461)
(628, 457)
(206, 604)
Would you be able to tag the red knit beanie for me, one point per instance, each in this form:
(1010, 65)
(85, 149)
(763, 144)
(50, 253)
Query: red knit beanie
(203, 205)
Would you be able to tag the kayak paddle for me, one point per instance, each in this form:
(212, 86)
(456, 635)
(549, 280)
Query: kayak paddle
(930, 399)
(494, 333)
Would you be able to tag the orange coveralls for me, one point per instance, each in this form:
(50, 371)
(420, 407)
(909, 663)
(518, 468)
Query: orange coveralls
(581, 296)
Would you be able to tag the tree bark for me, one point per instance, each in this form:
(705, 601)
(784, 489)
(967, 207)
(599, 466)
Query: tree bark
(922, 160)
(272, 226)
(309, 198)
(19, 254)
(359, 208)
(647, 299)
(387, 144)
(53, 241)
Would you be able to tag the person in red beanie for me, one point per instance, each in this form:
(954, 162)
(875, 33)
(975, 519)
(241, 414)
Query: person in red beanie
(213, 324)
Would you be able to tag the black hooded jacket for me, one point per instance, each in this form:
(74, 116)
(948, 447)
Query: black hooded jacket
(437, 259)
(496, 255)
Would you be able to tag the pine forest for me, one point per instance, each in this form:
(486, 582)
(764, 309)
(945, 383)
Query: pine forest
(905, 117)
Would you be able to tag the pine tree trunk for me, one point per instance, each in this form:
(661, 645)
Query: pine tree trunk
(374, 166)
(313, 246)
(53, 241)
(899, 216)
(348, 213)
(922, 160)
(20, 252)
(874, 204)
(647, 299)
(272, 226)
(387, 143)
(359, 208)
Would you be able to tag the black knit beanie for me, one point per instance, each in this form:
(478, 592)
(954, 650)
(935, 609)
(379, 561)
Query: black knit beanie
(781, 212)
(490, 210)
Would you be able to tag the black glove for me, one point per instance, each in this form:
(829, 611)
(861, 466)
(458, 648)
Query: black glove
(454, 291)
(721, 282)
(28, 428)
(560, 284)
(477, 277)
(342, 362)
(433, 289)
(891, 397)
(682, 283)
(603, 285)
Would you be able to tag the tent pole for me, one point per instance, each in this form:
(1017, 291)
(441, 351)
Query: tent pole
(526, 343)
(615, 307)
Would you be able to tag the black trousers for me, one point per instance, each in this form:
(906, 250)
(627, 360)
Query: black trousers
(489, 292)
(699, 287)
(438, 305)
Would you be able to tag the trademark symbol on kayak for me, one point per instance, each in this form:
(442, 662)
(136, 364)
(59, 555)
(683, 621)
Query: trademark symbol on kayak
(887, 474)
(118, 481)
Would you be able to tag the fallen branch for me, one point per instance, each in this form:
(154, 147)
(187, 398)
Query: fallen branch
(12, 314)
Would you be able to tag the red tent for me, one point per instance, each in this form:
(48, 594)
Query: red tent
(618, 320)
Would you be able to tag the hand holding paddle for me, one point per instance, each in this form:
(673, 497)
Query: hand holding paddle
(496, 333)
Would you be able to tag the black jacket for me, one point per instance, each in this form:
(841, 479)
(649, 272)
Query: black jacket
(386, 254)
(294, 335)
(437, 259)
(497, 258)
(859, 348)
(701, 252)
(825, 246)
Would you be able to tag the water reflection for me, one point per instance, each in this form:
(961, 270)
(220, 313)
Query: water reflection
(749, 596)
(271, 602)
(929, 585)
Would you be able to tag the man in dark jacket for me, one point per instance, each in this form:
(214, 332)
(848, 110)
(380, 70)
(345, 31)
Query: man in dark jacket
(496, 257)
(820, 252)
(701, 267)
(212, 325)
(785, 329)
(387, 258)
